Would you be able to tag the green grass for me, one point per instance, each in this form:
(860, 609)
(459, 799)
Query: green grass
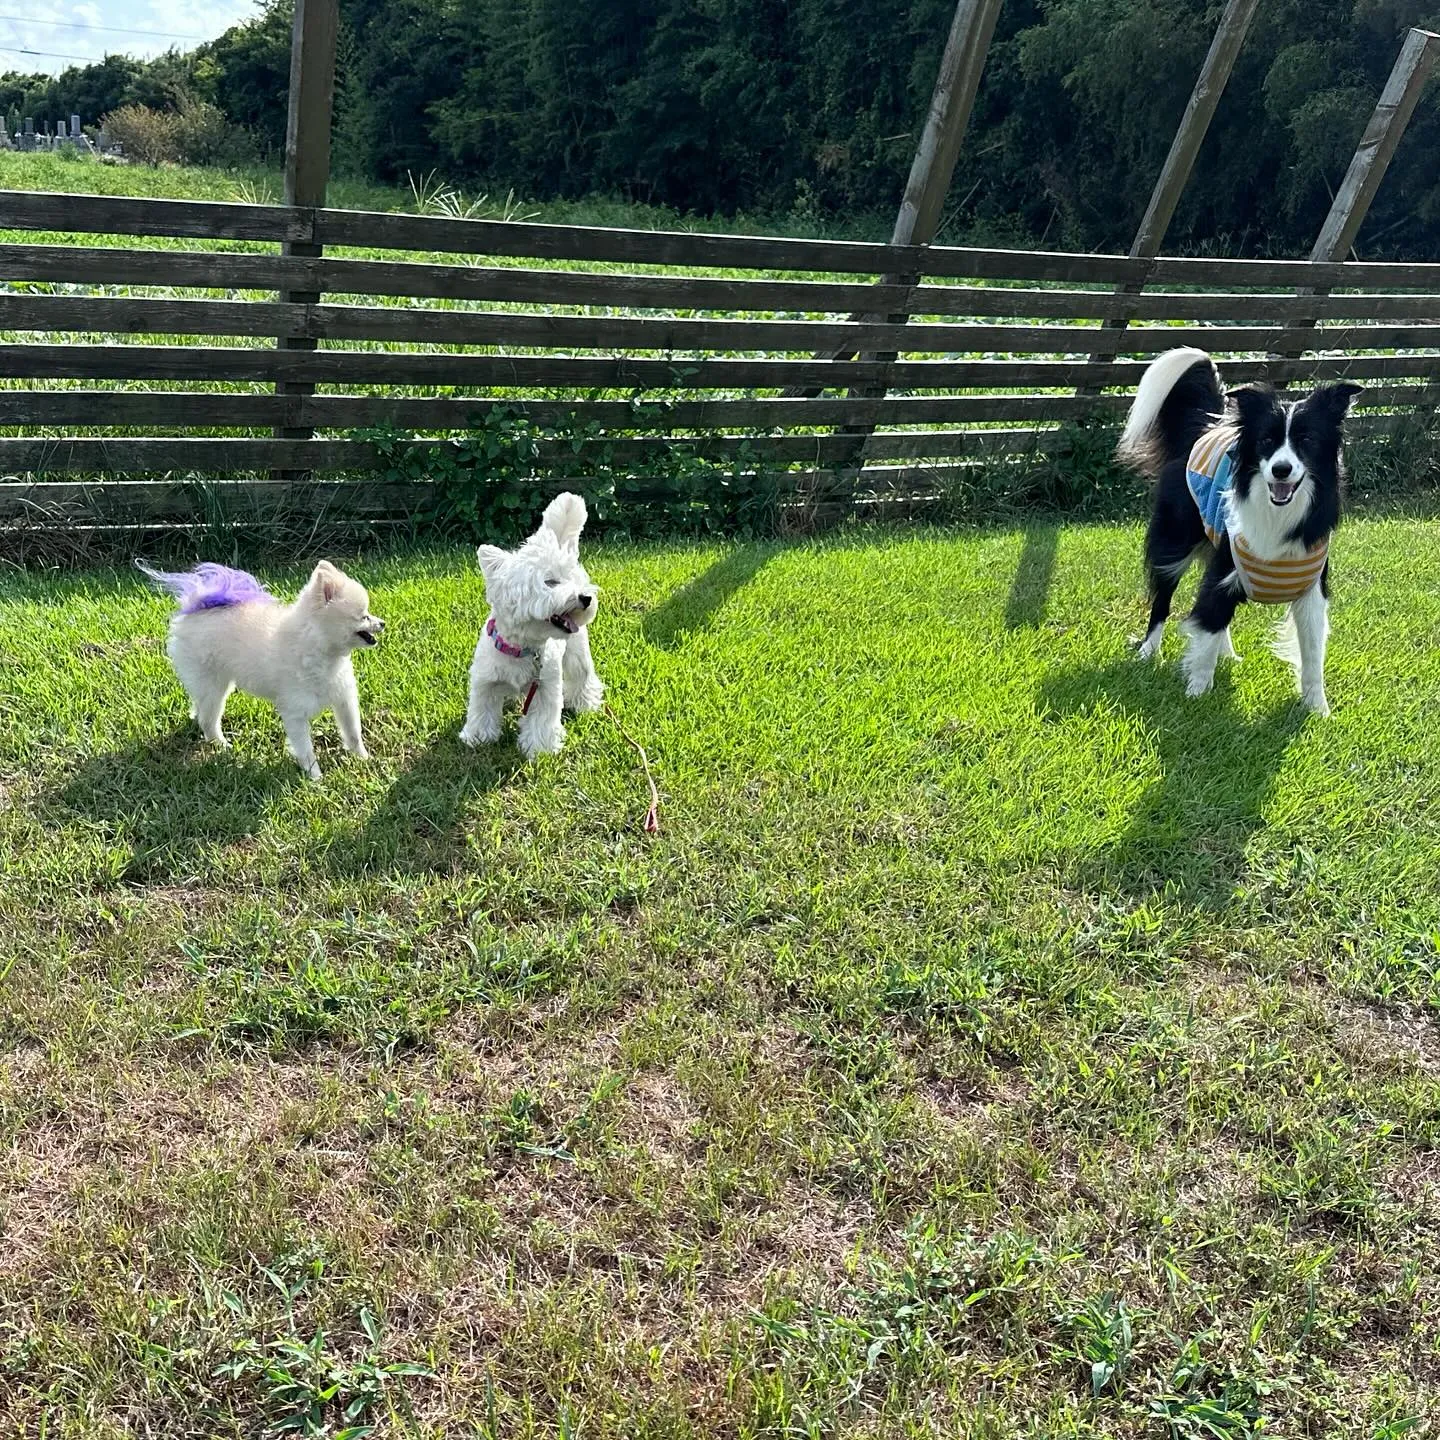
(992, 1043)
(265, 185)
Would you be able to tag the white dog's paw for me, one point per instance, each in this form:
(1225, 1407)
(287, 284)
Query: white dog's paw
(311, 771)
(218, 741)
(359, 751)
(480, 732)
(1316, 702)
(589, 697)
(1196, 685)
(541, 742)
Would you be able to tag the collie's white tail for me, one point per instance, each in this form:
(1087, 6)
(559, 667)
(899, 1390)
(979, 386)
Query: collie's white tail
(1138, 438)
(1285, 642)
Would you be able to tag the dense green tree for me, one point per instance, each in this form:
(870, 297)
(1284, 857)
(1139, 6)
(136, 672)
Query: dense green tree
(246, 72)
(811, 108)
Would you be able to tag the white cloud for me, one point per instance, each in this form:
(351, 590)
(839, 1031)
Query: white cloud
(78, 32)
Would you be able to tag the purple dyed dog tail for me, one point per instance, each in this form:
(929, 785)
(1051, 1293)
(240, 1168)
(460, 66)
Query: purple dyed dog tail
(207, 587)
(177, 582)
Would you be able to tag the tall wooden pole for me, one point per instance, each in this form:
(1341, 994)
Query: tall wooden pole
(923, 204)
(1372, 157)
(956, 86)
(1377, 145)
(1175, 173)
(307, 151)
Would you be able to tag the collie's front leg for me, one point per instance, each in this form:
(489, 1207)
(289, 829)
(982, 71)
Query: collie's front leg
(1311, 613)
(1208, 626)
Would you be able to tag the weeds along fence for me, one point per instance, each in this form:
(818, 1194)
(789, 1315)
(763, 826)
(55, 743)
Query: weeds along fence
(169, 363)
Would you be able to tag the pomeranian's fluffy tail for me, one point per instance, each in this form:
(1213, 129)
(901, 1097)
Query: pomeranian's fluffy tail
(207, 587)
(565, 516)
(1178, 400)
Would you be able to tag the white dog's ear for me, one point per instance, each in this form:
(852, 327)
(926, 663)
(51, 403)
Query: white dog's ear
(565, 518)
(491, 557)
(327, 581)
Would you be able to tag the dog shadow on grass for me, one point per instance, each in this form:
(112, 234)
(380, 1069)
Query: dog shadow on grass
(694, 605)
(419, 827)
(1030, 589)
(1190, 830)
(173, 797)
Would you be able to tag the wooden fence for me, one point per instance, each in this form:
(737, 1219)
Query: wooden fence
(832, 373)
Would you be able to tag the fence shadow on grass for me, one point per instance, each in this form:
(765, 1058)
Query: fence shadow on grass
(419, 826)
(1030, 589)
(174, 796)
(694, 605)
(1190, 829)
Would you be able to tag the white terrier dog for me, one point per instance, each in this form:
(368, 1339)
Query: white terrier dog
(232, 634)
(535, 642)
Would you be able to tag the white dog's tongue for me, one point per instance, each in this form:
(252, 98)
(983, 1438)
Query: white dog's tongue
(565, 623)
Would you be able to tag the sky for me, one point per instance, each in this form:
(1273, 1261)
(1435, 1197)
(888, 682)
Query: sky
(49, 35)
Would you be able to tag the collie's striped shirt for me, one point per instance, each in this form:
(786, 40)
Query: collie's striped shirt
(1210, 473)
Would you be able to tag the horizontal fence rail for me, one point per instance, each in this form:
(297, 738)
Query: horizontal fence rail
(149, 337)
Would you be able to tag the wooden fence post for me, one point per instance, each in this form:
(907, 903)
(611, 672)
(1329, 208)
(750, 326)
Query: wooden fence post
(1368, 165)
(956, 86)
(307, 153)
(1175, 173)
(1377, 145)
(923, 203)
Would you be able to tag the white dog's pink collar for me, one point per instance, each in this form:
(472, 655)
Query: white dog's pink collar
(515, 652)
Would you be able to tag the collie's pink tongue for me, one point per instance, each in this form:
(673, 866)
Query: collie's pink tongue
(1283, 491)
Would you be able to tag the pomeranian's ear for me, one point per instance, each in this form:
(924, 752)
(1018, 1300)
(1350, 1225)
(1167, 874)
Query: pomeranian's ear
(326, 580)
(491, 557)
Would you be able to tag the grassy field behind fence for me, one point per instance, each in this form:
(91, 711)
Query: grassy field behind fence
(991, 1043)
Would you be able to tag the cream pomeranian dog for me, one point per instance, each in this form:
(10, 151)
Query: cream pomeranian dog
(232, 634)
(535, 641)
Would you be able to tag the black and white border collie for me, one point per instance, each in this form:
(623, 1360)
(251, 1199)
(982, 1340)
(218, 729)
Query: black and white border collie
(1267, 524)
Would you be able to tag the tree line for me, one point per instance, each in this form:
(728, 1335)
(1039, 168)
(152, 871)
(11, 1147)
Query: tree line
(808, 110)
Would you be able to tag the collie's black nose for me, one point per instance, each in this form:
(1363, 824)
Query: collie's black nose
(1280, 470)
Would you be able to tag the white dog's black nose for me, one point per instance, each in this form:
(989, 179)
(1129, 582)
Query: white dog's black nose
(585, 600)
(1281, 469)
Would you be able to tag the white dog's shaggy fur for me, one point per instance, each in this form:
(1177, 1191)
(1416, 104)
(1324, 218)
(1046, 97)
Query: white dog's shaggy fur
(535, 642)
(231, 634)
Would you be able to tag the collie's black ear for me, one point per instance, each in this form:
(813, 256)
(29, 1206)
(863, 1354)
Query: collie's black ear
(1252, 400)
(1336, 398)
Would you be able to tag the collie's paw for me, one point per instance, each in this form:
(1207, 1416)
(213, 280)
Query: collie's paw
(1147, 647)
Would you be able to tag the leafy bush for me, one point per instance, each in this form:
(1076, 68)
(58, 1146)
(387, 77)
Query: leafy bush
(196, 134)
(205, 137)
(149, 136)
(489, 483)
